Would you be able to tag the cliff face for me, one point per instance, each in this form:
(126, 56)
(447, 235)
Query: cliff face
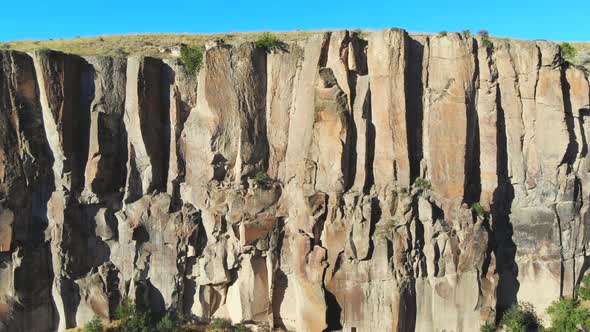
(130, 178)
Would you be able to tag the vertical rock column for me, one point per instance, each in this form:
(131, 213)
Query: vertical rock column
(282, 69)
(147, 124)
(447, 107)
(26, 181)
(65, 116)
(387, 60)
(487, 126)
(105, 169)
(65, 103)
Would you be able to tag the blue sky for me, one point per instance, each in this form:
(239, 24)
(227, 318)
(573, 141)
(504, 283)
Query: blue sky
(44, 19)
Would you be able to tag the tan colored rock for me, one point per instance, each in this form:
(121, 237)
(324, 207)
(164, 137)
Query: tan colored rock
(449, 115)
(246, 299)
(251, 231)
(511, 84)
(282, 69)
(329, 155)
(302, 116)
(146, 124)
(487, 116)
(361, 118)
(387, 62)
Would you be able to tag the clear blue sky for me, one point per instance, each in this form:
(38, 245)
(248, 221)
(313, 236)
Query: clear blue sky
(44, 19)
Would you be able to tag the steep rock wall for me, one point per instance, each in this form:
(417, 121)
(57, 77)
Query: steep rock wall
(130, 178)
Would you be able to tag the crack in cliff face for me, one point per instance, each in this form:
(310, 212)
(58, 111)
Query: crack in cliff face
(573, 146)
(370, 145)
(472, 190)
(132, 179)
(503, 243)
(414, 107)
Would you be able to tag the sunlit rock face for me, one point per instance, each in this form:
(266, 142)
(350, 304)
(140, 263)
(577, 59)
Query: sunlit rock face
(131, 178)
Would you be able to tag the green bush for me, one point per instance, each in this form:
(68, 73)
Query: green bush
(521, 317)
(568, 50)
(4, 46)
(220, 41)
(488, 327)
(240, 328)
(420, 183)
(442, 33)
(263, 180)
(219, 323)
(567, 315)
(95, 325)
(467, 32)
(485, 37)
(191, 58)
(269, 42)
(484, 33)
(583, 290)
(169, 323)
(131, 318)
(479, 210)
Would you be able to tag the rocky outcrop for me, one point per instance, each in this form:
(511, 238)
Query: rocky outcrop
(131, 178)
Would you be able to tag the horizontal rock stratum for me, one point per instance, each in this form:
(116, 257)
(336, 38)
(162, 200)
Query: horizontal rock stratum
(130, 178)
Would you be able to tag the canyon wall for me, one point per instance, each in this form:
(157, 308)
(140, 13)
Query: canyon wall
(131, 178)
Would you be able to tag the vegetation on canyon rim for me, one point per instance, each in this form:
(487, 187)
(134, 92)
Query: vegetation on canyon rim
(154, 44)
(269, 42)
(191, 57)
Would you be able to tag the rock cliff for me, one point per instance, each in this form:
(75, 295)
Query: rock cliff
(131, 178)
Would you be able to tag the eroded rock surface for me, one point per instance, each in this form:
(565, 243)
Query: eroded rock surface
(130, 178)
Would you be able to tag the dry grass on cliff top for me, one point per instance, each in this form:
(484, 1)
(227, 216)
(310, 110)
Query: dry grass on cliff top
(145, 44)
(151, 44)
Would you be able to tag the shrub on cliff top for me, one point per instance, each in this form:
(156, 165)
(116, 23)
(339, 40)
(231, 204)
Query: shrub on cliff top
(568, 50)
(484, 33)
(191, 58)
(485, 37)
(269, 42)
(442, 33)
